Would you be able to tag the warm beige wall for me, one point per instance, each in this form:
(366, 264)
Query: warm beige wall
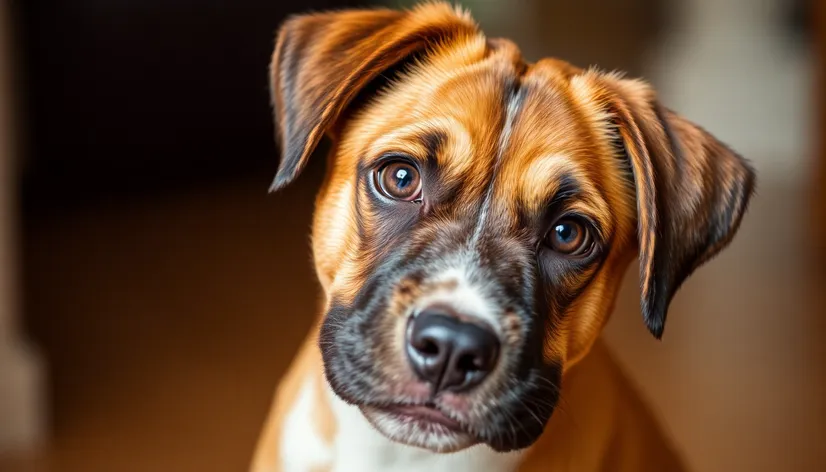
(731, 66)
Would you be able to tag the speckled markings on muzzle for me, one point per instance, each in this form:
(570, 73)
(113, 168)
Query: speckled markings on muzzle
(489, 278)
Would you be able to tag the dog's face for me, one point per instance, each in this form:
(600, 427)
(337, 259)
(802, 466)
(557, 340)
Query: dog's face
(479, 213)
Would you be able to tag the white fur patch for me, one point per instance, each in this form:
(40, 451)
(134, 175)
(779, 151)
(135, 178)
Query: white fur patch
(466, 298)
(504, 140)
(302, 448)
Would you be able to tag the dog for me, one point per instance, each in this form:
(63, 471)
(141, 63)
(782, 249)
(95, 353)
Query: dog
(475, 222)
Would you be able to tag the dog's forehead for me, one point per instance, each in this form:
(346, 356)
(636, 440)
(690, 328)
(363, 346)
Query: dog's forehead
(472, 100)
(555, 139)
(493, 113)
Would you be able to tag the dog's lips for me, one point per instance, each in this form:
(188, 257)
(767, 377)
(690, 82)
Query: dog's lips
(424, 414)
(420, 425)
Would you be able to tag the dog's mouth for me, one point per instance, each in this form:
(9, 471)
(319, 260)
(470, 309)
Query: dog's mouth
(424, 414)
(425, 426)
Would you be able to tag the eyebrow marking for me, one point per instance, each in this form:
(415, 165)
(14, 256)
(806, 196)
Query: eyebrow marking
(433, 141)
(420, 138)
(567, 189)
(515, 100)
(542, 177)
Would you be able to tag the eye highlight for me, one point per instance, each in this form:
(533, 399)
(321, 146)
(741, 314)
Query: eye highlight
(400, 180)
(570, 236)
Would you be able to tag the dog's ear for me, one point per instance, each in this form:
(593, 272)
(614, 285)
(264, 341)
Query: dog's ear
(692, 191)
(322, 61)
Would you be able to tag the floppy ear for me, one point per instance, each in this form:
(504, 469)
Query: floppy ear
(692, 191)
(321, 62)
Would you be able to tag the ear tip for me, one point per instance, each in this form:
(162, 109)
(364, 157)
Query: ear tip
(656, 329)
(274, 187)
(281, 180)
(291, 165)
(654, 316)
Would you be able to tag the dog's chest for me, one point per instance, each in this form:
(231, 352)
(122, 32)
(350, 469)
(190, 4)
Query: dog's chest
(359, 447)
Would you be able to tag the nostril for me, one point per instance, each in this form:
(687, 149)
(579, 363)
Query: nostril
(470, 363)
(426, 346)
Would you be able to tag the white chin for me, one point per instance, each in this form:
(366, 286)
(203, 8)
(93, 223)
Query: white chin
(434, 437)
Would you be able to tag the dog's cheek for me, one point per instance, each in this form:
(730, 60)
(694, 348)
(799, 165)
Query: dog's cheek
(589, 311)
(559, 302)
(334, 232)
(348, 343)
(335, 346)
(522, 412)
(387, 304)
(403, 297)
(348, 350)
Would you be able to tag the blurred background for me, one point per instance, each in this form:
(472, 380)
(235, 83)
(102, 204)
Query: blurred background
(152, 292)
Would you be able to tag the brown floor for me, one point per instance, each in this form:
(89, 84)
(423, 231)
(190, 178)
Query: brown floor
(166, 323)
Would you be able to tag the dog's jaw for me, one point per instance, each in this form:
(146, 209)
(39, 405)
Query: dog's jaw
(411, 430)
(360, 445)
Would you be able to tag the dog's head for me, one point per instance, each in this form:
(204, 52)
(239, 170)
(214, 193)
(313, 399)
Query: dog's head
(479, 213)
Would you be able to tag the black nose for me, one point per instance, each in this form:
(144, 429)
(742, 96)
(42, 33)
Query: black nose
(449, 353)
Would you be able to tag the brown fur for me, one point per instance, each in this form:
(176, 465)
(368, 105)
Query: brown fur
(656, 186)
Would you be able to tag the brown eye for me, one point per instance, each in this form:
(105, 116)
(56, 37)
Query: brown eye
(400, 180)
(569, 236)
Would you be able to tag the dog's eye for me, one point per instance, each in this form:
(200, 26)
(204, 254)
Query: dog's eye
(569, 236)
(400, 180)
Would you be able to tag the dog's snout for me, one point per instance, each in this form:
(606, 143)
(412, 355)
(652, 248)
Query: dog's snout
(449, 353)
